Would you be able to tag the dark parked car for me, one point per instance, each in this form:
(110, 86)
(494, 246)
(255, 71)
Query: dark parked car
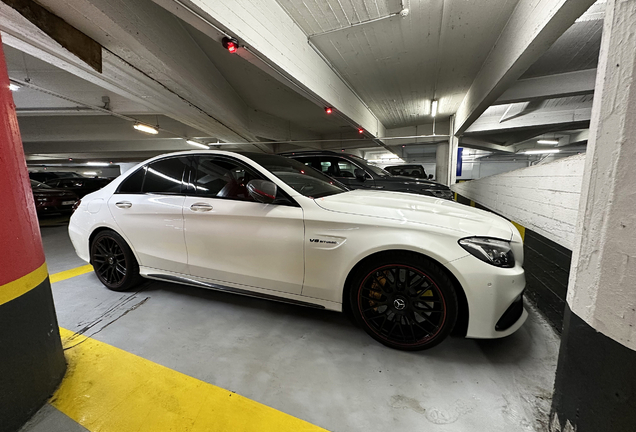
(49, 200)
(44, 176)
(356, 173)
(416, 171)
(80, 185)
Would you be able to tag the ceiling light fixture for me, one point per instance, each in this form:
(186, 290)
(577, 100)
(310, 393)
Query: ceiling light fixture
(89, 173)
(531, 152)
(14, 87)
(548, 141)
(328, 110)
(197, 144)
(146, 128)
(360, 130)
(433, 108)
(96, 164)
(230, 44)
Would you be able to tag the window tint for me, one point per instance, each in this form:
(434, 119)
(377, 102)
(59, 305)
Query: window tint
(165, 176)
(133, 183)
(223, 178)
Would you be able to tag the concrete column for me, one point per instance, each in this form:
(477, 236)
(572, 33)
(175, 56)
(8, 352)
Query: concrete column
(31, 357)
(595, 387)
(446, 158)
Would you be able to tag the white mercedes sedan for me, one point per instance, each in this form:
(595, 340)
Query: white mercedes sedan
(408, 268)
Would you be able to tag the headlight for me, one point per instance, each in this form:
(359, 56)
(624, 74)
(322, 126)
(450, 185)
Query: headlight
(493, 251)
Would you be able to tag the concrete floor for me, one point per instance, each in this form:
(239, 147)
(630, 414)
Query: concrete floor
(314, 365)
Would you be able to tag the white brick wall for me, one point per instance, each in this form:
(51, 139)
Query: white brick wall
(543, 198)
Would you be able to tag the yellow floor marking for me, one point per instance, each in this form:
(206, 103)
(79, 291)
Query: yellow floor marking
(521, 230)
(67, 274)
(110, 390)
(26, 283)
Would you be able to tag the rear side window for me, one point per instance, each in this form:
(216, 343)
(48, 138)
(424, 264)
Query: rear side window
(133, 183)
(165, 176)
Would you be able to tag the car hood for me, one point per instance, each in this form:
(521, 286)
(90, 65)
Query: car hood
(434, 212)
(422, 182)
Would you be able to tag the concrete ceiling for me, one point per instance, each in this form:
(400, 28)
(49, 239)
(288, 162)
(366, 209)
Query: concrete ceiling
(379, 63)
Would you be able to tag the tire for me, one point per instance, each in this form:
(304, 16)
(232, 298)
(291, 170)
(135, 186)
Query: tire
(114, 262)
(403, 301)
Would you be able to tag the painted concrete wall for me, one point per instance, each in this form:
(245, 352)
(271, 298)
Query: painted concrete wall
(542, 198)
(601, 288)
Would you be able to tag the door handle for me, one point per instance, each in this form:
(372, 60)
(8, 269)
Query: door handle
(124, 204)
(201, 207)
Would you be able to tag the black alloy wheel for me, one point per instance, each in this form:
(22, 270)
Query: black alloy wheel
(408, 303)
(113, 261)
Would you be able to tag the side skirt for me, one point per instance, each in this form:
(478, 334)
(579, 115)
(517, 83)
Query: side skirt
(193, 282)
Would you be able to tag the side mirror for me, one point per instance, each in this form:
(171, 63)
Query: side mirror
(262, 190)
(360, 174)
(430, 176)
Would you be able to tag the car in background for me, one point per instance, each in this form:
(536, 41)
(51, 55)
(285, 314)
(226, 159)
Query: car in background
(44, 176)
(49, 200)
(80, 185)
(409, 268)
(356, 173)
(407, 170)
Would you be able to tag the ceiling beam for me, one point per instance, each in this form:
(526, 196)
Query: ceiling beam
(532, 28)
(475, 143)
(272, 41)
(547, 117)
(550, 87)
(128, 80)
(575, 138)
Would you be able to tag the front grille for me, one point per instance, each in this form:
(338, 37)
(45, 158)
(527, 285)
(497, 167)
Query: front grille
(511, 315)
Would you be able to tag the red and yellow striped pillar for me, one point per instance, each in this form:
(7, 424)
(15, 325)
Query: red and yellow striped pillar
(31, 357)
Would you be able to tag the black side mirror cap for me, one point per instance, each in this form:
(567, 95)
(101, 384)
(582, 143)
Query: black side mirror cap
(360, 174)
(430, 176)
(262, 190)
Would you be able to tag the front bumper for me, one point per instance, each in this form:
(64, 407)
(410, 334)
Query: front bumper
(491, 292)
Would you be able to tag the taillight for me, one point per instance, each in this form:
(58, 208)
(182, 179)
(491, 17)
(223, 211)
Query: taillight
(77, 204)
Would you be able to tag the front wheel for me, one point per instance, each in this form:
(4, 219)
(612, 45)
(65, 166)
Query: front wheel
(404, 301)
(114, 262)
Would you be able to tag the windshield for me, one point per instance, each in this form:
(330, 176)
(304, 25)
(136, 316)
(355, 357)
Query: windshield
(374, 169)
(298, 176)
(37, 185)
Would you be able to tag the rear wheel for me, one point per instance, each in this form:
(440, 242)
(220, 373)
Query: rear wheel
(404, 301)
(113, 261)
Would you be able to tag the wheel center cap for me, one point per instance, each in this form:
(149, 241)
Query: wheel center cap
(399, 304)
(111, 260)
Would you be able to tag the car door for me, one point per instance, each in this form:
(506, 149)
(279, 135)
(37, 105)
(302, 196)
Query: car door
(232, 238)
(148, 209)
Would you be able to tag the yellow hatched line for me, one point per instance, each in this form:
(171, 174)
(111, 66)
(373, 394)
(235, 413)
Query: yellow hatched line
(67, 274)
(26, 283)
(110, 390)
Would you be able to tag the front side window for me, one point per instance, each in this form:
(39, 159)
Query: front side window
(373, 168)
(165, 176)
(222, 178)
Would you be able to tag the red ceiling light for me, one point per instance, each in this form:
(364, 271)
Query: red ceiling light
(360, 130)
(328, 110)
(230, 44)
